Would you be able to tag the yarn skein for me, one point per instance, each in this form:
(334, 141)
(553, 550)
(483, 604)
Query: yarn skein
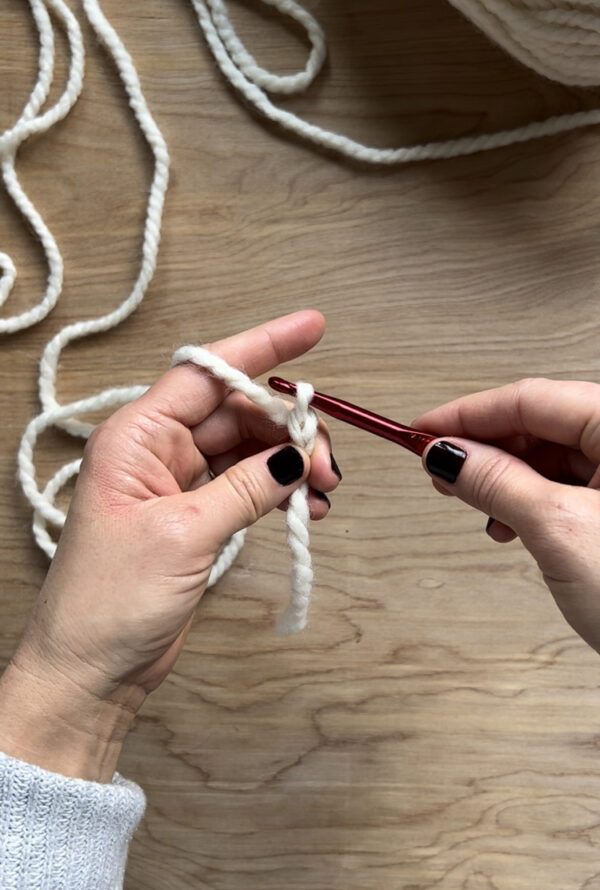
(557, 38)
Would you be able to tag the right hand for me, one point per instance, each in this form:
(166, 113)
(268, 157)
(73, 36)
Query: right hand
(537, 476)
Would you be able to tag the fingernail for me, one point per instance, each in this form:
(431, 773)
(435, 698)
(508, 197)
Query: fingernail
(445, 460)
(489, 524)
(286, 466)
(335, 467)
(321, 496)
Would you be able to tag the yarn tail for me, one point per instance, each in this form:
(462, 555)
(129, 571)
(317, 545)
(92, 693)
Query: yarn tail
(294, 617)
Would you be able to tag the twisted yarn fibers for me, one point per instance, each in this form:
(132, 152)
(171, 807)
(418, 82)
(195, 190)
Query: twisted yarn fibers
(301, 422)
(557, 38)
(32, 120)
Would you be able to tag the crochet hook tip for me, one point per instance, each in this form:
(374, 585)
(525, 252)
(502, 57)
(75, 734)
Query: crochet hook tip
(281, 385)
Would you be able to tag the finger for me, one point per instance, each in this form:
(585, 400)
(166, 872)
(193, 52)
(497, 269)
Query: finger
(248, 490)
(319, 504)
(497, 483)
(442, 489)
(565, 412)
(558, 462)
(189, 394)
(321, 477)
(561, 464)
(499, 532)
(238, 429)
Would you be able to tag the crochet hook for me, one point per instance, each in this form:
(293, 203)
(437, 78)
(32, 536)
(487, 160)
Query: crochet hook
(415, 440)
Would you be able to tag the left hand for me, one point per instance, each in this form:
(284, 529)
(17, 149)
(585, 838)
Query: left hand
(144, 527)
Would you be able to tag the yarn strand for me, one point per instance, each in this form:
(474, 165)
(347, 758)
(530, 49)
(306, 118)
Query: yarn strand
(151, 239)
(549, 40)
(31, 121)
(557, 38)
(301, 422)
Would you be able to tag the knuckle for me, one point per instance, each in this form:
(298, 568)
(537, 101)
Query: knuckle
(491, 482)
(248, 490)
(528, 382)
(96, 438)
(523, 391)
(95, 449)
(590, 434)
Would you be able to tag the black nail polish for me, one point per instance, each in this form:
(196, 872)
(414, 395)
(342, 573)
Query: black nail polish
(445, 460)
(490, 521)
(286, 466)
(335, 467)
(321, 496)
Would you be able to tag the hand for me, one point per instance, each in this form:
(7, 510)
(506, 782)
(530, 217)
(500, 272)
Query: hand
(538, 478)
(143, 529)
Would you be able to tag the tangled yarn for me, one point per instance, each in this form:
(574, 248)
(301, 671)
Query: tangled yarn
(557, 38)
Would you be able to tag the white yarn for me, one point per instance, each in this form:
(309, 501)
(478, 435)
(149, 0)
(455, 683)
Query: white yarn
(557, 38)
(66, 416)
(301, 422)
(154, 138)
(33, 121)
(43, 502)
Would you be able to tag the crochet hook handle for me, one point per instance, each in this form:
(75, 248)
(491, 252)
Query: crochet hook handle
(414, 440)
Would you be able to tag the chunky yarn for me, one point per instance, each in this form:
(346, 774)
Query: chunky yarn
(301, 422)
(557, 38)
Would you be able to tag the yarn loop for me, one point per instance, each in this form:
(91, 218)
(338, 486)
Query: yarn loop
(557, 38)
(301, 422)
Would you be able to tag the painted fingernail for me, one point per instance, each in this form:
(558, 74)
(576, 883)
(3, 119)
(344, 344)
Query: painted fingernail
(489, 524)
(335, 467)
(321, 496)
(445, 460)
(286, 466)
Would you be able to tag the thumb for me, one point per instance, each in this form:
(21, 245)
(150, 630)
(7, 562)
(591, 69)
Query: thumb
(491, 480)
(250, 489)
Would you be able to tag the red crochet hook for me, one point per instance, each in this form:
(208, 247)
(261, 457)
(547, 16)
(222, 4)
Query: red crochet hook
(415, 440)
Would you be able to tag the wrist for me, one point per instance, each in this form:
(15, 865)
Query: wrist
(54, 723)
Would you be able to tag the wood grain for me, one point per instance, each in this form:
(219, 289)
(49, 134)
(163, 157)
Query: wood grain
(437, 724)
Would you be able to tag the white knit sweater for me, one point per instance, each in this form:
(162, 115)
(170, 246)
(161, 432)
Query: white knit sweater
(58, 833)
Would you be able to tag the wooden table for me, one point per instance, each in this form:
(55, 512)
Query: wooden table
(437, 723)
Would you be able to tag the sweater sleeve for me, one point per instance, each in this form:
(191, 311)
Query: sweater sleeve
(58, 833)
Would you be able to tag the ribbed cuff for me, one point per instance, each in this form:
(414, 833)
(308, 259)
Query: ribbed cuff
(59, 833)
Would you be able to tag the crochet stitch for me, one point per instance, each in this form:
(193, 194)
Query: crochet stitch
(301, 422)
